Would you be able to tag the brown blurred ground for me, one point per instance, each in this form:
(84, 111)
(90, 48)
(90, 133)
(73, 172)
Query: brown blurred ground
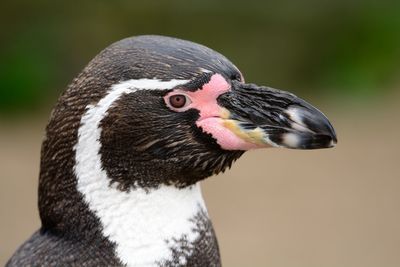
(276, 207)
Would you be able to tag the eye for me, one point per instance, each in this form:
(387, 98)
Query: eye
(178, 101)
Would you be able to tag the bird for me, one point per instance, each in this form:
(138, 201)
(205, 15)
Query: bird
(129, 141)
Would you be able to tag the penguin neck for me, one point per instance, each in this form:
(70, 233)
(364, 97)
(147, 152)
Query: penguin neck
(146, 226)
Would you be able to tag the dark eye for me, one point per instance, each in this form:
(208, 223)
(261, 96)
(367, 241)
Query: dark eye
(178, 101)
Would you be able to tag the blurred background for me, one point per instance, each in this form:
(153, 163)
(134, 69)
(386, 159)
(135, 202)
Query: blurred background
(336, 207)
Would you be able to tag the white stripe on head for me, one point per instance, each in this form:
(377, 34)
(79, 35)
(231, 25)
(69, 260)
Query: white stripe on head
(138, 222)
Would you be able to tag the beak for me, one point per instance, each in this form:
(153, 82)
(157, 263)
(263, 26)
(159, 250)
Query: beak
(271, 117)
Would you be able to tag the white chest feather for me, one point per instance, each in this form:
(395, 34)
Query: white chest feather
(138, 222)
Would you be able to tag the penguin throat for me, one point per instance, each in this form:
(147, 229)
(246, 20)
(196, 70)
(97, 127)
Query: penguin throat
(146, 226)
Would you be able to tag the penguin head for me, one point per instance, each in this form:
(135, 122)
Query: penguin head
(159, 110)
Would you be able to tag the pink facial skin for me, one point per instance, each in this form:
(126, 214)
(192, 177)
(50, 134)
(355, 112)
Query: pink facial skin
(210, 121)
(225, 138)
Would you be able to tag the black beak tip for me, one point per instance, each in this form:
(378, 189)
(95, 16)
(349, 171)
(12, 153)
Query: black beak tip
(324, 141)
(330, 134)
(333, 138)
(324, 136)
(315, 132)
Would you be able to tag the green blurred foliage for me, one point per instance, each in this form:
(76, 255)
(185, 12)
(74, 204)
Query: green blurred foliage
(323, 48)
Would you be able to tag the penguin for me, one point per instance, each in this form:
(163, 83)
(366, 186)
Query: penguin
(130, 139)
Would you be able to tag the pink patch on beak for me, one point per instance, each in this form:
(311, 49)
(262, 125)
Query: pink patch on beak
(224, 137)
